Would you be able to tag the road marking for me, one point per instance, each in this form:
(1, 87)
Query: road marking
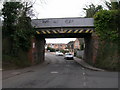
(54, 72)
(83, 73)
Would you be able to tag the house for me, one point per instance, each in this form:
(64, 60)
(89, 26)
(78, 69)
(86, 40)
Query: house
(78, 44)
(57, 46)
(70, 46)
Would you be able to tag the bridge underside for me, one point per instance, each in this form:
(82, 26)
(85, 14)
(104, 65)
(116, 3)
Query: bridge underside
(64, 35)
(64, 32)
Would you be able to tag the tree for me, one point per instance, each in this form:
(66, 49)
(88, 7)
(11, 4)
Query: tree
(17, 25)
(25, 30)
(92, 9)
(17, 32)
(10, 14)
(107, 25)
(112, 5)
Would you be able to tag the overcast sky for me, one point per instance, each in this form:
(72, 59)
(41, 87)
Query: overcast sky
(62, 8)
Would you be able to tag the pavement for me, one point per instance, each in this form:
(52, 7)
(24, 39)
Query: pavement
(86, 65)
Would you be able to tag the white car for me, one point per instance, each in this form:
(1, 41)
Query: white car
(68, 56)
(59, 53)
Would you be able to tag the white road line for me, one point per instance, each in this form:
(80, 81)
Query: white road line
(54, 72)
(83, 73)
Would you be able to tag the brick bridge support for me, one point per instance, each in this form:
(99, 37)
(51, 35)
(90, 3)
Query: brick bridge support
(37, 52)
(91, 47)
(40, 50)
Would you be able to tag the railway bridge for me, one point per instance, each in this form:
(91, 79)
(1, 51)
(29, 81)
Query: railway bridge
(64, 28)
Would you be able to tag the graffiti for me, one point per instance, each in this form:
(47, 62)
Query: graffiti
(45, 21)
(68, 21)
(55, 21)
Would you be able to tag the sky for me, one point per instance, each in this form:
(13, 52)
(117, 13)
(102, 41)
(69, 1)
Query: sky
(61, 9)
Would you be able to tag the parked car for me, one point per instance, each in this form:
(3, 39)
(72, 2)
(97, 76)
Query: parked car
(68, 56)
(58, 53)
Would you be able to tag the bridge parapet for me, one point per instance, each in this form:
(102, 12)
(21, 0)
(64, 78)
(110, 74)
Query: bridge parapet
(63, 22)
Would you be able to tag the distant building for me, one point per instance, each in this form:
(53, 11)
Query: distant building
(57, 46)
(78, 43)
(75, 45)
(70, 46)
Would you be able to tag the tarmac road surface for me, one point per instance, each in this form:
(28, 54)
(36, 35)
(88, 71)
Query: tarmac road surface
(57, 72)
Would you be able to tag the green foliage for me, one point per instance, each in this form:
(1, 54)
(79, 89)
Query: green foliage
(10, 12)
(51, 49)
(17, 27)
(105, 25)
(82, 47)
(115, 5)
(64, 51)
(108, 57)
(11, 62)
(112, 5)
(92, 9)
